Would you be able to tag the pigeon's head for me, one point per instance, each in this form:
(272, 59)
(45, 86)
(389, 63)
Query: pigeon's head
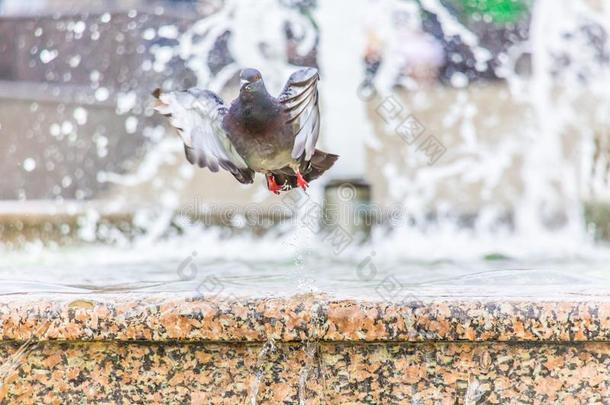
(249, 76)
(251, 81)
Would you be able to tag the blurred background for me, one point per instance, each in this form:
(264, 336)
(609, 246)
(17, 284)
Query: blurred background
(476, 128)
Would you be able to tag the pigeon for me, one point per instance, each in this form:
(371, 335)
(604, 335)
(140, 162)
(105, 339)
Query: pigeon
(275, 136)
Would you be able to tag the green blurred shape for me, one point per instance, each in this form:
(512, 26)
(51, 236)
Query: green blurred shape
(597, 219)
(491, 257)
(500, 11)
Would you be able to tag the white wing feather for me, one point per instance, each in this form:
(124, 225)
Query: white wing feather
(197, 115)
(300, 101)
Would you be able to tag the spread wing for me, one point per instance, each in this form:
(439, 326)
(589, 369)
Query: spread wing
(300, 100)
(197, 115)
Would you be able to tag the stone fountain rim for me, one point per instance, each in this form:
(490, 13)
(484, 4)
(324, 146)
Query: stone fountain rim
(302, 318)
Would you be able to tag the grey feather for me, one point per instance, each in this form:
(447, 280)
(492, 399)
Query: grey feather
(197, 115)
(300, 100)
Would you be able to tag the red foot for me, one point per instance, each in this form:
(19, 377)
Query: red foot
(272, 185)
(301, 181)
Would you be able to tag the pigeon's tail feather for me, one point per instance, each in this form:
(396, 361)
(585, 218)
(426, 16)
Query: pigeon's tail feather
(319, 163)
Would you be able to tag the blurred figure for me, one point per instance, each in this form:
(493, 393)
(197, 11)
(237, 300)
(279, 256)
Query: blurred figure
(398, 45)
(422, 55)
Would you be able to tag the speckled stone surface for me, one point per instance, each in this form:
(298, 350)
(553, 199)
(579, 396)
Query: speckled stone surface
(310, 349)
(328, 373)
(301, 318)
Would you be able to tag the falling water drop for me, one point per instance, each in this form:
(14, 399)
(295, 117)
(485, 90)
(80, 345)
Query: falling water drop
(102, 94)
(80, 115)
(29, 164)
(47, 55)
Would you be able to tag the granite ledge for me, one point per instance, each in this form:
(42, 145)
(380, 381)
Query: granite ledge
(165, 318)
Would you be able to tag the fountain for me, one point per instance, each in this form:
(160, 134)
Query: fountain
(481, 280)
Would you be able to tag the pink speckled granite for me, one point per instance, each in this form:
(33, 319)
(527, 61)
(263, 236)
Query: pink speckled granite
(301, 318)
(309, 349)
(325, 373)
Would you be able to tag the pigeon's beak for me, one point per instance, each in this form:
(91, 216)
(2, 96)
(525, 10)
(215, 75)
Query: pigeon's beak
(249, 85)
(250, 81)
(247, 78)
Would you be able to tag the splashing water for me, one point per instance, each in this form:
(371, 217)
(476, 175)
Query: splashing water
(554, 143)
(10, 366)
(261, 363)
(567, 70)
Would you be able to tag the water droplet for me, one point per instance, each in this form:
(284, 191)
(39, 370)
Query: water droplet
(74, 61)
(79, 27)
(29, 164)
(47, 56)
(66, 181)
(101, 143)
(149, 34)
(146, 65)
(55, 129)
(102, 94)
(131, 125)
(125, 102)
(94, 76)
(80, 115)
(459, 79)
(168, 31)
(67, 127)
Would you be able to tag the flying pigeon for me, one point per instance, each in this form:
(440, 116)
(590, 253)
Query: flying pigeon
(275, 136)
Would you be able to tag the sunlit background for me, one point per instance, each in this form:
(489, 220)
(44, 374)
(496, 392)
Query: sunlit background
(480, 130)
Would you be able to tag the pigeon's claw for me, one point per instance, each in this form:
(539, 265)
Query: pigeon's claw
(301, 182)
(272, 185)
